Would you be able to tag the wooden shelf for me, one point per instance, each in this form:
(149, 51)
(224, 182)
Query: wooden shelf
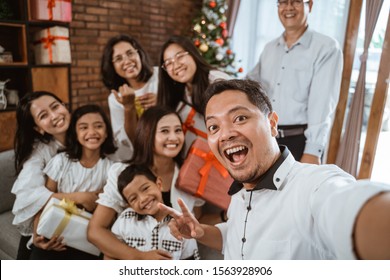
(16, 36)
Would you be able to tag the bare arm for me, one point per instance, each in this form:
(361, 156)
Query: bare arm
(99, 233)
(372, 229)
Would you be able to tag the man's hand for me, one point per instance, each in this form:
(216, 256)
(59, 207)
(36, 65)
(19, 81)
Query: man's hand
(183, 224)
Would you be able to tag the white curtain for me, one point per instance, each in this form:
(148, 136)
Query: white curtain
(258, 22)
(348, 155)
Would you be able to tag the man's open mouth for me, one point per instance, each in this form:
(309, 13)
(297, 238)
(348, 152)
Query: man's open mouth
(236, 154)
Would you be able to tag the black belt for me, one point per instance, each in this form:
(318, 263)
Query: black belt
(291, 130)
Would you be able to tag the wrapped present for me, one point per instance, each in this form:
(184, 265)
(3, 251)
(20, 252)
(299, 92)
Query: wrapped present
(51, 45)
(63, 218)
(203, 175)
(193, 123)
(60, 10)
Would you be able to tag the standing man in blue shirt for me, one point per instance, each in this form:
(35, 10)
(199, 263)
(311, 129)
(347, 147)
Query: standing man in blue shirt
(301, 72)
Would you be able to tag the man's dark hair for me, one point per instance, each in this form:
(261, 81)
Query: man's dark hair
(253, 90)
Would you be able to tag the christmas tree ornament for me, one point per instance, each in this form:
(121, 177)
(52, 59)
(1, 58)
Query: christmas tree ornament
(211, 37)
(197, 28)
(203, 48)
(211, 26)
(225, 33)
(219, 41)
(219, 56)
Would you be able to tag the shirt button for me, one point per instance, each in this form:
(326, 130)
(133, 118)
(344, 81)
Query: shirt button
(243, 239)
(273, 100)
(278, 84)
(283, 67)
(277, 179)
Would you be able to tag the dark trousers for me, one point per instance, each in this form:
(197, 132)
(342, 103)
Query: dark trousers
(23, 252)
(68, 254)
(296, 145)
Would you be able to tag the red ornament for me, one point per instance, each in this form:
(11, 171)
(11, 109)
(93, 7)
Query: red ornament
(219, 41)
(212, 4)
(229, 52)
(225, 33)
(197, 42)
(240, 70)
(223, 25)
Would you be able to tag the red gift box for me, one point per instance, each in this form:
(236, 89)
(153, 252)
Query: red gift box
(193, 123)
(60, 10)
(204, 176)
(52, 45)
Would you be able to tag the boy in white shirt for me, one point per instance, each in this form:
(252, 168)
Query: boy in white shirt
(143, 225)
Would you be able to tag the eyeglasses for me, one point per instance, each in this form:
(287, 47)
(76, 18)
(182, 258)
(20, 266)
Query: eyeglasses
(168, 63)
(130, 54)
(295, 3)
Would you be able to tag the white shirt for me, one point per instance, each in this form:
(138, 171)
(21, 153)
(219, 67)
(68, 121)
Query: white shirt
(71, 176)
(117, 116)
(145, 233)
(111, 197)
(310, 215)
(303, 83)
(29, 188)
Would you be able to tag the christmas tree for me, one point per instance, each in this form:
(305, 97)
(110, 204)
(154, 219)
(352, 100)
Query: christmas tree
(210, 36)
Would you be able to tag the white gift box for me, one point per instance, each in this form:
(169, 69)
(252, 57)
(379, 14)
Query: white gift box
(51, 45)
(193, 124)
(65, 219)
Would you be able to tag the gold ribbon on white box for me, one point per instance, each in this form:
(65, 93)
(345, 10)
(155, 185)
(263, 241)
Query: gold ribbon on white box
(63, 218)
(70, 209)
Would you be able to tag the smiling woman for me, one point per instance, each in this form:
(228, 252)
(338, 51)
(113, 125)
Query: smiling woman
(132, 80)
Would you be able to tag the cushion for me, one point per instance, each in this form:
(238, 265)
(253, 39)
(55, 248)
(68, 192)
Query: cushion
(9, 237)
(7, 178)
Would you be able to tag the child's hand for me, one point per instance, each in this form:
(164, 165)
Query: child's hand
(156, 255)
(55, 243)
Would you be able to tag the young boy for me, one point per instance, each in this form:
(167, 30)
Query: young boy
(143, 225)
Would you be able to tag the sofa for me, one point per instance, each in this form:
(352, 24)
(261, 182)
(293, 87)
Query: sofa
(9, 236)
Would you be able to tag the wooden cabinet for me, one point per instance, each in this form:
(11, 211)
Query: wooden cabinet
(24, 74)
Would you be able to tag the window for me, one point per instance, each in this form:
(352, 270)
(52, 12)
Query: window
(258, 23)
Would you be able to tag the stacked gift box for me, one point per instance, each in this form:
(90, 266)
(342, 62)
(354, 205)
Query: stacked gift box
(51, 45)
(58, 10)
(203, 175)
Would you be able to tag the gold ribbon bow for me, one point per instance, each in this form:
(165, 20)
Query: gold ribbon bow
(70, 209)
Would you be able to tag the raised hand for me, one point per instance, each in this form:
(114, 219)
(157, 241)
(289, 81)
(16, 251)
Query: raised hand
(125, 96)
(183, 224)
